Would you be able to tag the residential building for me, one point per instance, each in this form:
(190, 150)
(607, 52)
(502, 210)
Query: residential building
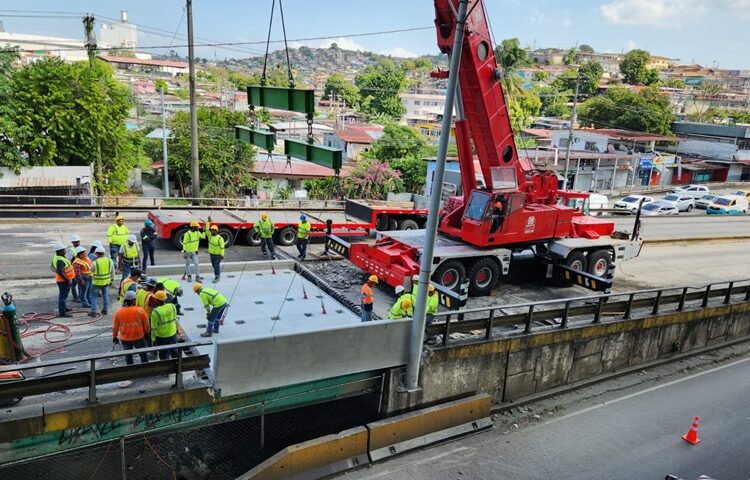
(609, 140)
(660, 63)
(34, 47)
(160, 67)
(726, 146)
(430, 131)
(298, 130)
(282, 173)
(353, 139)
(422, 106)
(548, 56)
(610, 62)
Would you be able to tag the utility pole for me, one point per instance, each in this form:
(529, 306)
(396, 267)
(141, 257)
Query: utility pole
(88, 29)
(573, 118)
(164, 144)
(194, 169)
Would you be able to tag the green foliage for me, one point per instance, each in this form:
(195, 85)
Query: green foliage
(181, 93)
(423, 63)
(74, 114)
(510, 56)
(413, 172)
(721, 116)
(380, 86)
(371, 179)
(570, 57)
(540, 76)
(225, 164)
(646, 111)
(161, 85)
(590, 74)
(711, 87)
(338, 86)
(671, 83)
(121, 52)
(634, 68)
(554, 102)
(522, 108)
(240, 81)
(408, 65)
(11, 134)
(322, 188)
(584, 48)
(398, 141)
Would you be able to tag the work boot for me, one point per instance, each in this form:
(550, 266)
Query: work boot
(124, 384)
(65, 315)
(198, 279)
(190, 278)
(216, 279)
(206, 334)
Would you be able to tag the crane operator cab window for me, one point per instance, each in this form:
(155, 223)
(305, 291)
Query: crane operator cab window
(478, 203)
(498, 212)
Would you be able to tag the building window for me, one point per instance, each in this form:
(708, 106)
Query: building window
(416, 102)
(702, 177)
(591, 147)
(563, 143)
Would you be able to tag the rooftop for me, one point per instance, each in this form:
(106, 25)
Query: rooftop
(277, 166)
(360, 133)
(138, 61)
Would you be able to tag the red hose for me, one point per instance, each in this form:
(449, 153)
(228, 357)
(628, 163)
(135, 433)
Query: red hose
(51, 328)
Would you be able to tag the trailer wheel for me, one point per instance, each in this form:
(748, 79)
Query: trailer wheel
(449, 274)
(287, 235)
(253, 238)
(599, 262)
(177, 237)
(408, 224)
(392, 224)
(228, 235)
(483, 276)
(577, 261)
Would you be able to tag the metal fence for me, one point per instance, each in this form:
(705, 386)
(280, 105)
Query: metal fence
(618, 306)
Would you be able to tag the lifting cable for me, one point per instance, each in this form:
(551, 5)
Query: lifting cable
(290, 75)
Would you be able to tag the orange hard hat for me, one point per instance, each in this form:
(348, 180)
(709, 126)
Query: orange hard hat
(372, 278)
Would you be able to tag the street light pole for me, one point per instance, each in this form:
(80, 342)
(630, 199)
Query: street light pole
(164, 144)
(573, 118)
(194, 170)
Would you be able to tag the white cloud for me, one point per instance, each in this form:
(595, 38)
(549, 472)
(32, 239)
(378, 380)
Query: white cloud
(667, 12)
(400, 52)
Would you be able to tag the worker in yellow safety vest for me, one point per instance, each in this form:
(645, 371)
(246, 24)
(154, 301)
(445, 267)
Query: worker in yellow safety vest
(130, 284)
(164, 325)
(404, 306)
(190, 243)
(216, 306)
(103, 269)
(215, 249)
(303, 236)
(117, 235)
(64, 275)
(265, 229)
(129, 256)
(433, 301)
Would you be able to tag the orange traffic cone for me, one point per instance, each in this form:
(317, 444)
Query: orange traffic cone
(692, 435)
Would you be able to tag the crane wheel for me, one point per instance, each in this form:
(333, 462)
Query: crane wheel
(483, 276)
(577, 261)
(599, 262)
(287, 236)
(449, 274)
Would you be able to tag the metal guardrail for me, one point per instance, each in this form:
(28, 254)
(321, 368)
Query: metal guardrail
(48, 383)
(596, 306)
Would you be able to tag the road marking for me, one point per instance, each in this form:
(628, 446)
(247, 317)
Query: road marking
(417, 462)
(648, 390)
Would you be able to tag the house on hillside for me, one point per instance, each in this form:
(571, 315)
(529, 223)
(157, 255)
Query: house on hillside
(353, 139)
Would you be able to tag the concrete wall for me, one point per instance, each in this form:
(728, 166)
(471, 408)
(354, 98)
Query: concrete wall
(510, 368)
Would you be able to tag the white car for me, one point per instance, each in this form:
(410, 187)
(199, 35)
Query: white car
(695, 191)
(684, 203)
(705, 201)
(630, 203)
(659, 209)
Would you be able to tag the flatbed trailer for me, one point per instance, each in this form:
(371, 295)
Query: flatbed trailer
(357, 218)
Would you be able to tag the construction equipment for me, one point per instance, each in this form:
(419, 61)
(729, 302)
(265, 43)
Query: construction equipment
(11, 348)
(520, 209)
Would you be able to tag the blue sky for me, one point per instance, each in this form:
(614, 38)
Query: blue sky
(706, 31)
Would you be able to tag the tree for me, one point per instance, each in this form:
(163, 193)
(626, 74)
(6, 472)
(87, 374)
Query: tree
(590, 73)
(380, 86)
(540, 76)
(11, 135)
(75, 114)
(161, 85)
(570, 57)
(408, 65)
(510, 57)
(423, 63)
(342, 89)
(554, 102)
(225, 164)
(371, 179)
(646, 111)
(121, 52)
(241, 81)
(522, 108)
(584, 48)
(398, 141)
(634, 68)
(671, 83)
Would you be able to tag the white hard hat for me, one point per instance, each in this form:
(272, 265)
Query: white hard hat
(400, 289)
(132, 238)
(75, 238)
(58, 246)
(79, 250)
(415, 278)
(97, 243)
(99, 249)
(129, 295)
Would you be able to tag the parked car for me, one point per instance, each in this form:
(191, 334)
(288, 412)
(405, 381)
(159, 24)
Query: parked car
(743, 193)
(705, 201)
(684, 203)
(695, 191)
(658, 209)
(630, 203)
(728, 205)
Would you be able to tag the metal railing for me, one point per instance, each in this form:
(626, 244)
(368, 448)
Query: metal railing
(594, 307)
(55, 382)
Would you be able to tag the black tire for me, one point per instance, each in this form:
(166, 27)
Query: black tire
(483, 276)
(177, 237)
(392, 224)
(408, 224)
(690, 207)
(577, 261)
(449, 274)
(228, 235)
(599, 262)
(382, 223)
(252, 237)
(287, 236)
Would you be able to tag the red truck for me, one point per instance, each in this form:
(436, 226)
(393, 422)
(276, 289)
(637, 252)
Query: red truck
(357, 218)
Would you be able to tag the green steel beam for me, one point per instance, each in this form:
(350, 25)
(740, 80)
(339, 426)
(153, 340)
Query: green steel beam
(260, 138)
(320, 155)
(292, 99)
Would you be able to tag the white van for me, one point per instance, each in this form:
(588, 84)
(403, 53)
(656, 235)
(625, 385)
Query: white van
(595, 201)
(728, 205)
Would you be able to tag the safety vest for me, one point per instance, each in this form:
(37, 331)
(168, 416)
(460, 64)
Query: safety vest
(169, 284)
(117, 235)
(432, 304)
(103, 270)
(130, 323)
(303, 230)
(126, 285)
(398, 312)
(264, 228)
(216, 245)
(85, 265)
(366, 294)
(141, 298)
(164, 321)
(130, 252)
(68, 270)
(191, 239)
(211, 297)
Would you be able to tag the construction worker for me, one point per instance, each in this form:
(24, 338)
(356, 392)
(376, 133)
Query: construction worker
(164, 325)
(414, 285)
(190, 242)
(82, 267)
(148, 238)
(129, 284)
(173, 289)
(129, 256)
(143, 295)
(404, 306)
(216, 306)
(432, 307)
(130, 324)
(103, 269)
(117, 235)
(367, 299)
(265, 228)
(64, 275)
(498, 211)
(215, 249)
(70, 254)
(92, 250)
(303, 236)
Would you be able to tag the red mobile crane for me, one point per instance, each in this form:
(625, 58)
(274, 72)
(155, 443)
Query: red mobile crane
(521, 207)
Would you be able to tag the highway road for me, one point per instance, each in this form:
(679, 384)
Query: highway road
(627, 429)
(688, 226)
